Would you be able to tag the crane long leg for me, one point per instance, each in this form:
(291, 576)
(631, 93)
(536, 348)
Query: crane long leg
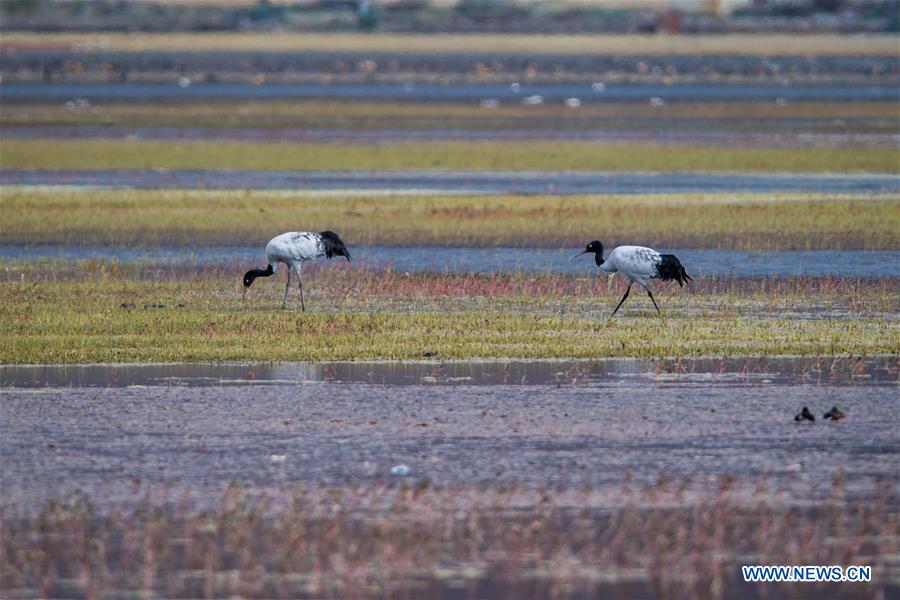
(649, 293)
(286, 288)
(302, 305)
(623, 298)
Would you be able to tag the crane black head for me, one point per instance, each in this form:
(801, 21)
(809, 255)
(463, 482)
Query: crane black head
(333, 245)
(594, 247)
(252, 274)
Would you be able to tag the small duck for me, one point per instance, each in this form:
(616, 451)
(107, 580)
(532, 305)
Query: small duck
(834, 414)
(805, 415)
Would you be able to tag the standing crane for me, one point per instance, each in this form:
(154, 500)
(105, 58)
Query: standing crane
(640, 265)
(293, 249)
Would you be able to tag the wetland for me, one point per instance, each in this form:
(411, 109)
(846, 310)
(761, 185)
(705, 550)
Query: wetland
(456, 414)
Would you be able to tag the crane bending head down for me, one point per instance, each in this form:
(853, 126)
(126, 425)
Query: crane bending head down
(293, 249)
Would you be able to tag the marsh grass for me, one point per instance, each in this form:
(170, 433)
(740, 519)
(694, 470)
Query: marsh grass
(343, 281)
(105, 314)
(420, 540)
(471, 156)
(745, 44)
(197, 218)
(373, 115)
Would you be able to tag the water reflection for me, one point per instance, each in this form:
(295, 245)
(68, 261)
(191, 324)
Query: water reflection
(745, 371)
(422, 91)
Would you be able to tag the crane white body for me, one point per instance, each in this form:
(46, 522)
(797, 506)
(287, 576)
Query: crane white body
(639, 264)
(293, 249)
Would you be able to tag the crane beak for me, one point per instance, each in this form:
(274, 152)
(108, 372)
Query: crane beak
(579, 254)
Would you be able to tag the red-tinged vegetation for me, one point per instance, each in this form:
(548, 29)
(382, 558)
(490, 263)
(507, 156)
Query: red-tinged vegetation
(671, 539)
(360, 281)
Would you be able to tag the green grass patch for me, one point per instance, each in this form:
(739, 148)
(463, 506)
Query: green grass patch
(187, 217)
(356, 315)
(623, 44)
(373, 115)
(481, 156)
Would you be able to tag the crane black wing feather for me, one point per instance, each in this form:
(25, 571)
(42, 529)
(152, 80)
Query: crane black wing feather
(333, 245)
(671, 269)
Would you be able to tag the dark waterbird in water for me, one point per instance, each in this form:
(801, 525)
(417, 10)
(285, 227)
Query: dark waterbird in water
(293, 249)
(834, 414)
(640, 265)
(805, 415)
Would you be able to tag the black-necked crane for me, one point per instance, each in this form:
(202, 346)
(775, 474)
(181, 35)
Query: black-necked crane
(293, 249)
(640, 265)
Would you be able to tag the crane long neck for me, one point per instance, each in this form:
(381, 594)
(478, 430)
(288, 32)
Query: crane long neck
(268, 271)
(252, 274)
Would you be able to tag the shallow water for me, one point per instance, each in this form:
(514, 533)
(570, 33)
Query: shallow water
(460, 182)
(543, 424)
(594, 373)
(550, 92)
(836, 69)
(699, 263)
